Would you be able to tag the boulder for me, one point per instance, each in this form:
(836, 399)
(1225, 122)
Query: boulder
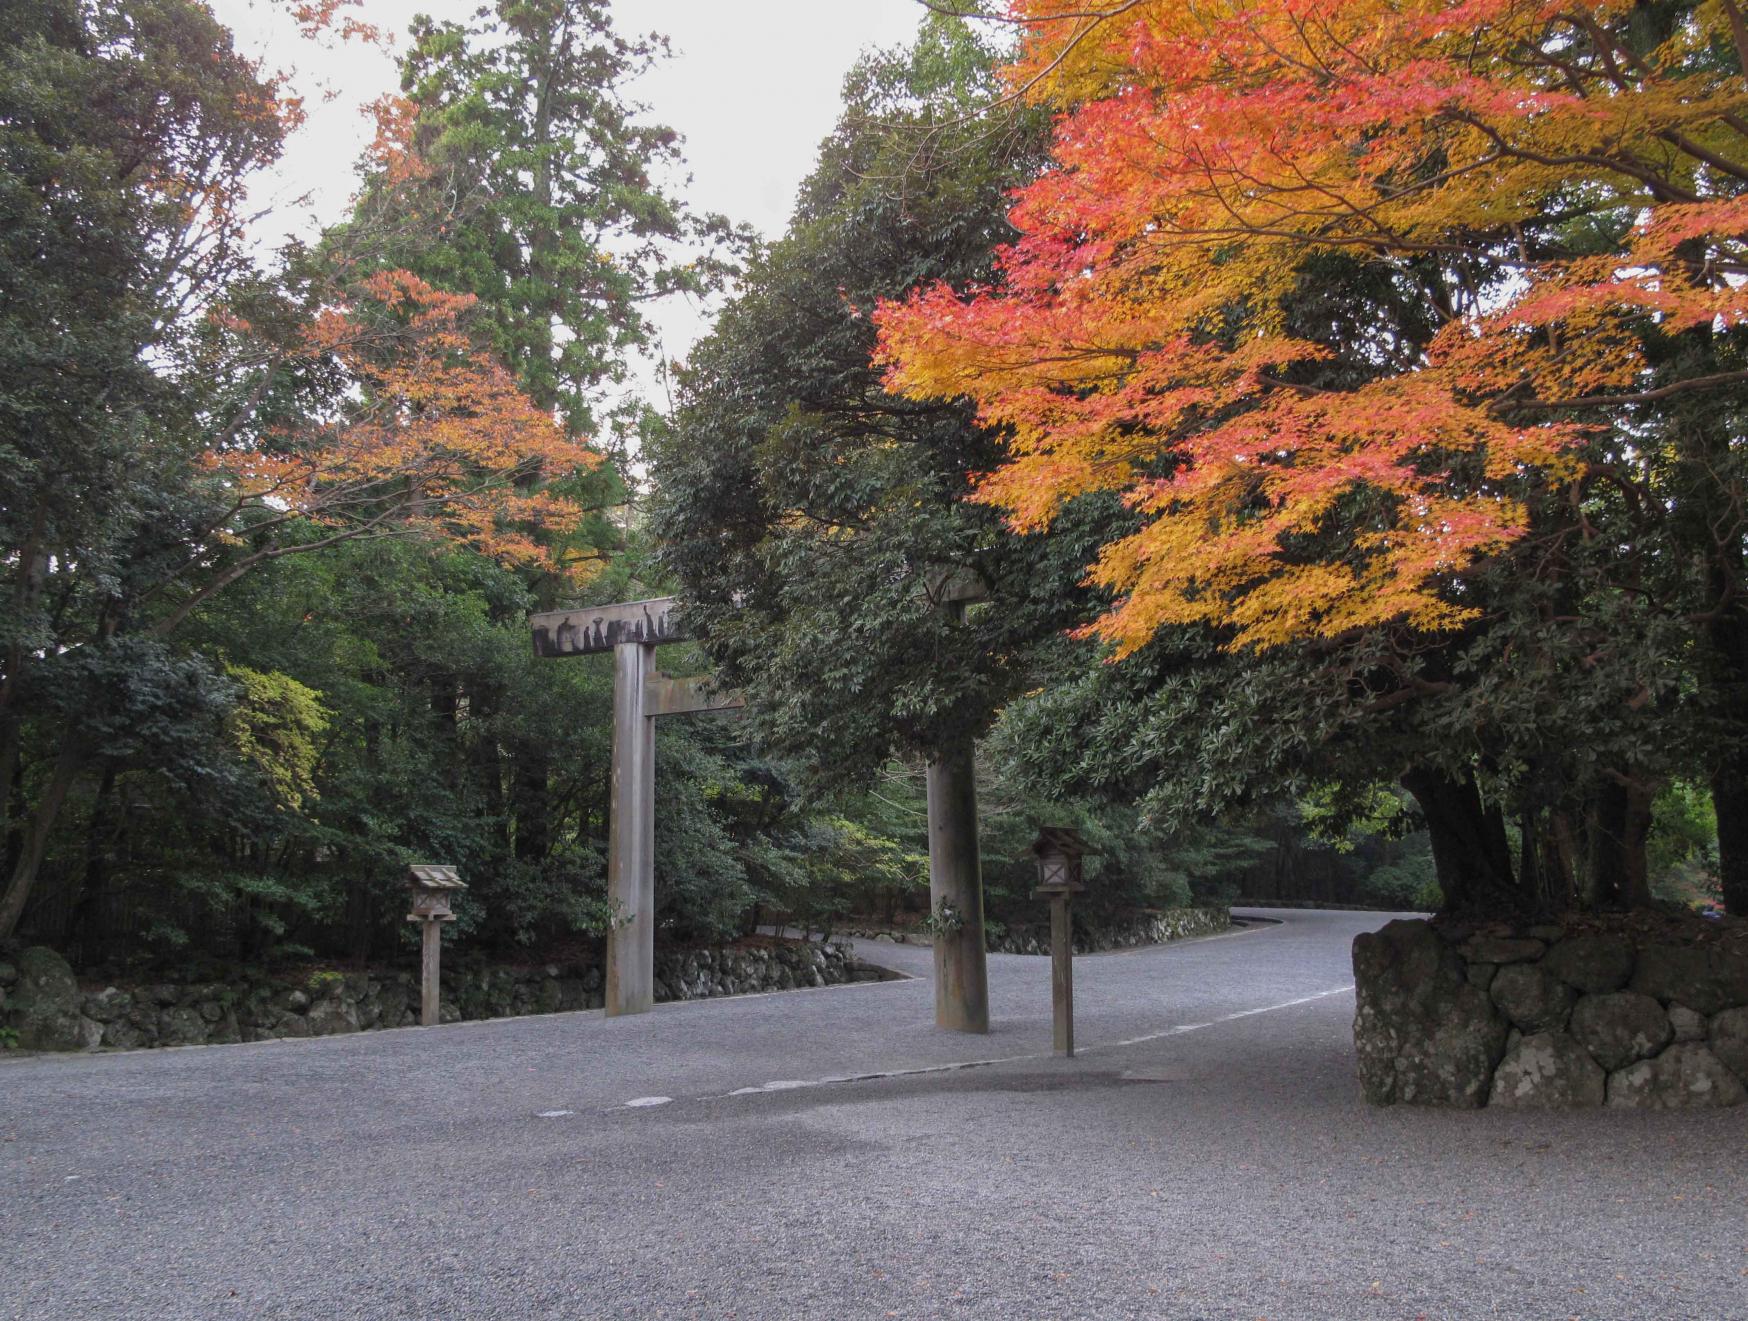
(1728, 1040)
(108, 1005)
(288, 1024)
(44, 1003)
(181, 1026)
(1482, 974)
(1684, 1076)
(1534, 1001)
(123, 1035)
(1621, 1027)
(1503, 949)
(1422, 1033)
(1592, 964)
(1549, 1071)
(331, 1017)
(1689, 1024)
(1709, 978)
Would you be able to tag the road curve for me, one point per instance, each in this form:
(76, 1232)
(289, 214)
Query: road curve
(828, 1153)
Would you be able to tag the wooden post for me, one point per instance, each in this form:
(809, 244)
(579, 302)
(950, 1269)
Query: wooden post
(430, 985)
(631, 837)
(433, 885)
(1059, 850)
(956, 886)
(1061, 974)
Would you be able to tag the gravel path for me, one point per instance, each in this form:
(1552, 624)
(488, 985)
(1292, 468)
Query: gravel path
(829, 1154)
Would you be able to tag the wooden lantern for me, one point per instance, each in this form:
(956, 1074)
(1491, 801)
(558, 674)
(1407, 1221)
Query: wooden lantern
(433, 886)
(1059, 850)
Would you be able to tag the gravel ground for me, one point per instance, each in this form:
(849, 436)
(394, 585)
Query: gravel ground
(827, 1153)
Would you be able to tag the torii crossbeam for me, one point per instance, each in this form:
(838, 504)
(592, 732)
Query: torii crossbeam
(641, 696)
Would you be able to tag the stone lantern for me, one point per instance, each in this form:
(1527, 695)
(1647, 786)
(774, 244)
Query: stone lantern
(1059, 850)
(433, 887)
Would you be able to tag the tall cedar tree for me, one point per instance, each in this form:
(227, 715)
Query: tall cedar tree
(514, 168)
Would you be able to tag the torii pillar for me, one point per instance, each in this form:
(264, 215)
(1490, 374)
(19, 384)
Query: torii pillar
(631, 631)
(955, 867)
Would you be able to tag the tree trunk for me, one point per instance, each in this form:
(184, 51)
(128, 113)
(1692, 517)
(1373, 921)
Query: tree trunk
(85, 927)
(1469, 846)
(1620, 824)
(1729, 780)
(35, 841)
(26, 594)
(1707, 516)
(1730, 801)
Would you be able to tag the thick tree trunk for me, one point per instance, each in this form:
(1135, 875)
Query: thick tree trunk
(85, 927)
(1620, 824)
(1729, 780)
(1707, 516)
(35, 841)
(32, 570)
(1730, 801)
(1469, 846)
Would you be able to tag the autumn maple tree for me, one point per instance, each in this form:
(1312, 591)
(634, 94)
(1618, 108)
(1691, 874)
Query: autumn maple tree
(423, 432)
(1559, 186)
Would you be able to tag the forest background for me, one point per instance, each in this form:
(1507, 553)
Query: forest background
(272, 526)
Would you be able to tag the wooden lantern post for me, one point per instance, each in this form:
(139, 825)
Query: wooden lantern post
(1059, 850)
(432, 887)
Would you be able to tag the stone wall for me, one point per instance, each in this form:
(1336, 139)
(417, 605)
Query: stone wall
(44, 1004)
(1639, 1012)
(1155, 926)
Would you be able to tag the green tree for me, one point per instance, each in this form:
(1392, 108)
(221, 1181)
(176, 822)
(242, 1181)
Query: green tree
(126, 133)
(807, 513)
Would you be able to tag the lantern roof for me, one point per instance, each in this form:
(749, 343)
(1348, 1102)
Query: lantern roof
(434, 876)
(1060, 839)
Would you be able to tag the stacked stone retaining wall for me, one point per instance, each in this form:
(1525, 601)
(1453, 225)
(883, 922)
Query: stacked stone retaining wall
(1642, 1012)
(1151, 927)
(45, 1007)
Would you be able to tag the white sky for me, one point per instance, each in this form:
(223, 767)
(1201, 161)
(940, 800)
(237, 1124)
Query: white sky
(752, 86)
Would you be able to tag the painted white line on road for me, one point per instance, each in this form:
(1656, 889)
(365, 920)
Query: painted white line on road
(1224, 1018)
(641, 1102)
(958, 1065)
(553, 1114)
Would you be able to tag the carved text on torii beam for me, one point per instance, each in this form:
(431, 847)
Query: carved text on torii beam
(603, 627)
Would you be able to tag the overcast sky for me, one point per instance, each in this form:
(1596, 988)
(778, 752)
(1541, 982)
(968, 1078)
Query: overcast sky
(753, 86)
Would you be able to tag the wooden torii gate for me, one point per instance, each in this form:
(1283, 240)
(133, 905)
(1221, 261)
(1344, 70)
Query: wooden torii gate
(632, 630)
(641, 695)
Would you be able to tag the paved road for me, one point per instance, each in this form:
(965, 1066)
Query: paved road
(828, 1154)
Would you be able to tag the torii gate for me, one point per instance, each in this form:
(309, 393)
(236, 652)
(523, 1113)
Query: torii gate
(641, 696)
(632, 630)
